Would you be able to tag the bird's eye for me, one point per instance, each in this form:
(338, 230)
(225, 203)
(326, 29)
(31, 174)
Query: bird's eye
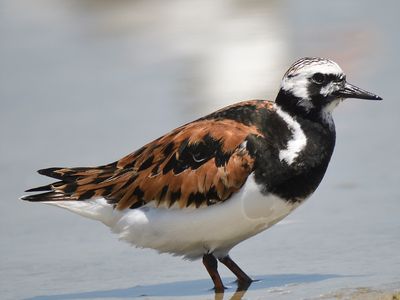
(318, 78)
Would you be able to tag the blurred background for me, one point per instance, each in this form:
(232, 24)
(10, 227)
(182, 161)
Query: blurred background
(84, 82)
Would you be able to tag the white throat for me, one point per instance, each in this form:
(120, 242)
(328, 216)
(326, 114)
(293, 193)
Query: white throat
(326, 113)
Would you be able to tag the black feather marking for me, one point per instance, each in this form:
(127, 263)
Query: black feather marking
(163, 192)
(243, 114)
(212, 196)
(42, 188)
(130, 181)
(170, 164)
(221, 158)
(51, 172)
(70, 188)
(138, 192)
(137, 204)
(27, 197)
(140, 150)
(156, 170)
(87, 195)
(214, 148)
(174, 196)
(108, 190)
(49, 196)
(130, 165)
(192, 156)
(196, 198)
(99, 179)
(168, 149)
(146, 164)
(182, 147)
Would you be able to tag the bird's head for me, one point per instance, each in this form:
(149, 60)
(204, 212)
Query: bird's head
(317, 84)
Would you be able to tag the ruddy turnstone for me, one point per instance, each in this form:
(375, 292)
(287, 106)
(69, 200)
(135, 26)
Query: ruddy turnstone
(210, 184)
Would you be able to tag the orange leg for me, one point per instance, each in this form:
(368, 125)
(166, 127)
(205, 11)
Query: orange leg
(244, 280)
(211, 264)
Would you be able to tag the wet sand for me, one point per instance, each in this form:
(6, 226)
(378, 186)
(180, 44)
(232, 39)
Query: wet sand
(364, 294)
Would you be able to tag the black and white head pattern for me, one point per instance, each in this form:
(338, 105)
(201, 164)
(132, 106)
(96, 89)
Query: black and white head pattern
(314, 81)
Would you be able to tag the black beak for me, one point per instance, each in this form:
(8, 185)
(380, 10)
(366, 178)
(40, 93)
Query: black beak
(351, 91)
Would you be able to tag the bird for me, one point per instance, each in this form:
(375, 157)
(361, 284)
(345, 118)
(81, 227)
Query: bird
(204, 187)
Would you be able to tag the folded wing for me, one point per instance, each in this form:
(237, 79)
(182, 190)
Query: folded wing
(198, 164)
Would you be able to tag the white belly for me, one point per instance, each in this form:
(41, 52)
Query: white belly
(190, 232)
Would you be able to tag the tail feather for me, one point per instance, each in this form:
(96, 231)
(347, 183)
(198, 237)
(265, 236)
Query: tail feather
(69, 174)
(76, 184)
(52, 172)
(47, 187)
(43, 197)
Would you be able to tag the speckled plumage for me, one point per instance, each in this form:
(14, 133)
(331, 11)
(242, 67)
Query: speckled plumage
(212, 183)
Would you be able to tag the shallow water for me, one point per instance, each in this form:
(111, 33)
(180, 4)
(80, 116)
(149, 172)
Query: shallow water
(85, 82)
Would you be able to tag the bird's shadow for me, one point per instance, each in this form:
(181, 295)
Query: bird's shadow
(191, 288)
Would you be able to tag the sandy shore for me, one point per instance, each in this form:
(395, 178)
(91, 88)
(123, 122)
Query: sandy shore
(364, 293)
